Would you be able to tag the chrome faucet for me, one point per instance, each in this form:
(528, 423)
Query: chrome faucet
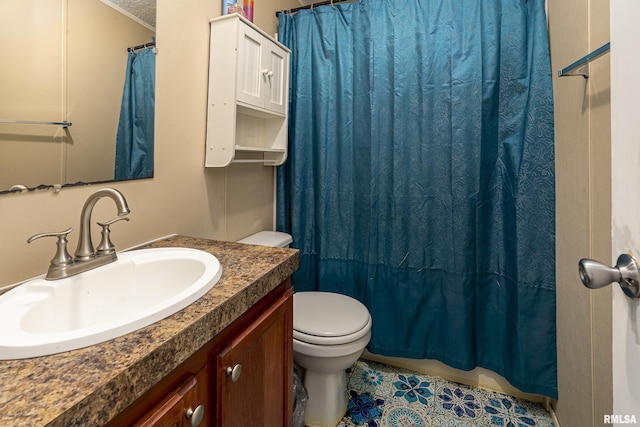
(86, 258)
(85, 250)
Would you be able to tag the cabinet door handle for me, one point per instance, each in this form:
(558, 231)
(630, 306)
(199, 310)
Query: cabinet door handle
(234, 372)
(195, 416)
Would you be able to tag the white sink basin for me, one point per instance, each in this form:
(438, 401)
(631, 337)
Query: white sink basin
(42, 317)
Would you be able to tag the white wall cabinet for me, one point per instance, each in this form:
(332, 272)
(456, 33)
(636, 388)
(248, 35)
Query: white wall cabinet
(248, 95)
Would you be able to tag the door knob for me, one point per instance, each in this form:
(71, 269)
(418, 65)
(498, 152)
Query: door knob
(596, 275)
(234, 372)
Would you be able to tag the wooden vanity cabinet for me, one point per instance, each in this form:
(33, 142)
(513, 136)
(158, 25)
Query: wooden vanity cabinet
(181, 408)
(254, 370)
(259, 345)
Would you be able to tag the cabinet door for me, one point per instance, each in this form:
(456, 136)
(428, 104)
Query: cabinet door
(251, 74)
(254, 373)
(263, 71)
(181, 408)
(277, 78)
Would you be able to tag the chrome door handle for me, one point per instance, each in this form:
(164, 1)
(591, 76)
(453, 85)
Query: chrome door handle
(596, 275)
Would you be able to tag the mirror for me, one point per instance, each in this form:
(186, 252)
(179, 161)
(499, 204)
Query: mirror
(65, 60)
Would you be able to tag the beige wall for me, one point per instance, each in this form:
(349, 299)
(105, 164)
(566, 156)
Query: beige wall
(183, 197)
(583, 183)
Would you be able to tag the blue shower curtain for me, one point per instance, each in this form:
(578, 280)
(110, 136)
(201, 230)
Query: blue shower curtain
(135, 139)
(420, 177)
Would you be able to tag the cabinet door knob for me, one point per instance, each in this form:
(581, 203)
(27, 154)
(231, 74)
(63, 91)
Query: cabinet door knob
(234, 372)
(195, 416)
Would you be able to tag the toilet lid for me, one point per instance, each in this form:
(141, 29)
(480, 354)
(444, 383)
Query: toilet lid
(326, 314)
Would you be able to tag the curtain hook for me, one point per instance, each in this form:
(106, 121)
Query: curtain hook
(312, 6)
(332, 4)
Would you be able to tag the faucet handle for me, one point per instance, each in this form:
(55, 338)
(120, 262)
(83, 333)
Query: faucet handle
(62, 258)
(106, 247)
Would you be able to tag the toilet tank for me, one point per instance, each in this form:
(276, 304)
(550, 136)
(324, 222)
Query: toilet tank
(275, 239)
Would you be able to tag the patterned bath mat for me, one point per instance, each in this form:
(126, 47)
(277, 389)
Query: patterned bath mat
(382, 395)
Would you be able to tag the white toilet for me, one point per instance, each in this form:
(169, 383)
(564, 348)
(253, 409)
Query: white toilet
(330, 332)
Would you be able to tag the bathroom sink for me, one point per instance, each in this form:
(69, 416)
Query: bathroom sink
(42, 317)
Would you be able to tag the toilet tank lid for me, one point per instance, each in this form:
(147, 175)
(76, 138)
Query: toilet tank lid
(275, 239)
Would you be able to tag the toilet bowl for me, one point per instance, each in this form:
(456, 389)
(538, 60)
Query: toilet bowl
(330, 332)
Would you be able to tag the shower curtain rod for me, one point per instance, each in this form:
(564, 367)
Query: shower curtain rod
(141, 46)
(312, 5)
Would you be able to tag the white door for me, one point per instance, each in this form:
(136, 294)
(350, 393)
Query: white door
(625, 158)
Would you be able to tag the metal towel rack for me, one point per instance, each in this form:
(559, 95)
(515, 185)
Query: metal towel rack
(567, 71)
(266, 162)
(34, 122)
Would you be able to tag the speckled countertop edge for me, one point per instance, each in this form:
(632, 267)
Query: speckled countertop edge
(89, 386)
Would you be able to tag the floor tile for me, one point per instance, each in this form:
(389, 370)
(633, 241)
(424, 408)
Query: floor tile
(382, 395)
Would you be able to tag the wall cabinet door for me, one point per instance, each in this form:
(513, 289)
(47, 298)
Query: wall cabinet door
(262, 69)
(277, 67)
(181, 408)
(253, 380)
(250, 69)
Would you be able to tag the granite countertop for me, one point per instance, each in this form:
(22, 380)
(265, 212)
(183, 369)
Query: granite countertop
(89, 386)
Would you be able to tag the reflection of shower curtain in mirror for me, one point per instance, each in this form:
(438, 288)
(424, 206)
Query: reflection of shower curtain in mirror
(134, 141)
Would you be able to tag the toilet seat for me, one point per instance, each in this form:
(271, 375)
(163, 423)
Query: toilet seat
(326, 318)
(344, 339)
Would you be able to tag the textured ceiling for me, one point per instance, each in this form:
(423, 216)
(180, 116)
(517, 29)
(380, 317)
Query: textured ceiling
(145, 10)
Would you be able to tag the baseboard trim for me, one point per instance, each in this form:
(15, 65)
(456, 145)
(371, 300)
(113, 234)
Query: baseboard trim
(478, 377)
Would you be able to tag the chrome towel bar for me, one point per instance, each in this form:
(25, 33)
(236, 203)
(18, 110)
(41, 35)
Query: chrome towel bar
(266, 162)
(35, 122)
(567, 71)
